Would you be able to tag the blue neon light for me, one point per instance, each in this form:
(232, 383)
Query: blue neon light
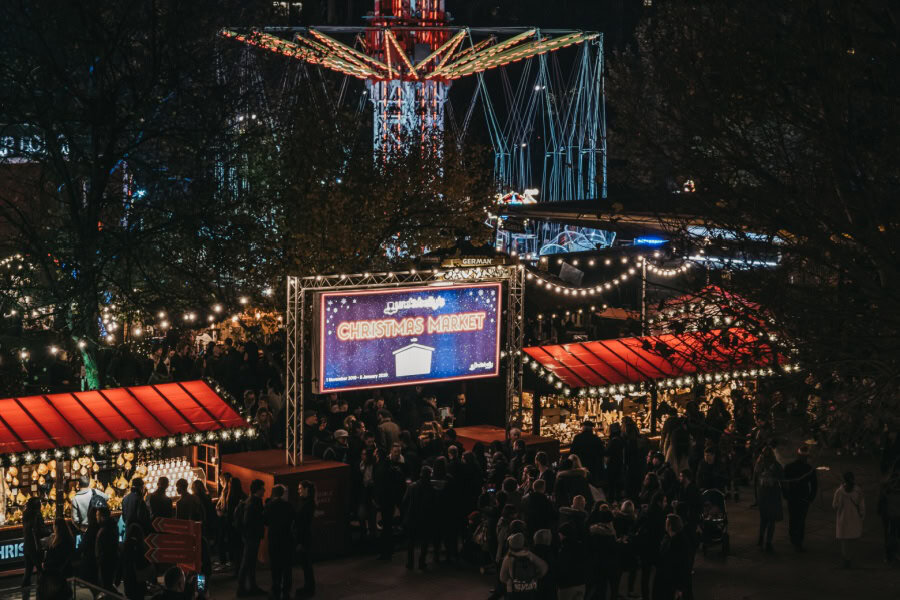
(649, 241)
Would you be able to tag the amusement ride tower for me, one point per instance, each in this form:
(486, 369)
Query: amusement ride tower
(408, 55)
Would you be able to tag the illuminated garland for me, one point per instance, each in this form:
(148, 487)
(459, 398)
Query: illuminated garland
(593, 308)
(667, 383)
(568, 290)
(111, 448)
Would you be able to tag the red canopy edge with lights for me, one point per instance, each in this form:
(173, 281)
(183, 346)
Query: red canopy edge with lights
(650, 358)
(56, 421)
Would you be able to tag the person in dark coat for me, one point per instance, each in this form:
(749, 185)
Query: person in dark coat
(769, 475)
(518, 459)
(107, 549)
(635, 458)
(615, 463)
(801, 485)
(576, 516)
(419, 517)
(571, 567)
(133, 563)
(61, 550)
(209, 524)
(673, 570)
(545, 470)
(33, 530)
(649, 488)
(570, 482)
(589, 448)
(625, 524)
(160, 504)
(134, 508)
(87, 566)
(537, 509)
(446, 509)
(470, 477)
(390, 484)
(688, 496)
(668, 480)
(651, 529)
(252, 528)
(303, 521)
(603, 580)
(279, 518)
(710, 473)
(188, 506)
(459, 411)
(233, 544)
(388, 431)
(543, 548)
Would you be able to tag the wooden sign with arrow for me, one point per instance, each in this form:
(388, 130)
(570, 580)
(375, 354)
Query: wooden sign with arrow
(177, 541)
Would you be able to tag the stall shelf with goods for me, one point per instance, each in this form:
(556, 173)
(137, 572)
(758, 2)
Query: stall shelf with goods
(49, 442)
(605, 380)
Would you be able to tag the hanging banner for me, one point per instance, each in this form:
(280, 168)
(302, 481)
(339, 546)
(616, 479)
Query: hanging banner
(381, 338)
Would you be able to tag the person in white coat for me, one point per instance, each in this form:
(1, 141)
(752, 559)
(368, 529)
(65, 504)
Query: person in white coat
(849, 505)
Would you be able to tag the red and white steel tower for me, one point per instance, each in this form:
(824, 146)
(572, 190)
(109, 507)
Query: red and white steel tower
(408, 55)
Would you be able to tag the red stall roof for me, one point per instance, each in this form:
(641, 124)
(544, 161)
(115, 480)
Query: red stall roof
(55, 421)
(637, 359)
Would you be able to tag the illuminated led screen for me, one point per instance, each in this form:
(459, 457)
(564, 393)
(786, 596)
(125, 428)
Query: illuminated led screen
(380, 338)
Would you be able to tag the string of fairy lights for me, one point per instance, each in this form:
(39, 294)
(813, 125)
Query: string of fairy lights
(662, 384)
(631, 267)
(114, 318)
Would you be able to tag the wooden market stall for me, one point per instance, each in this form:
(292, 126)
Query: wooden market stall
(48, 442)
(605, 379)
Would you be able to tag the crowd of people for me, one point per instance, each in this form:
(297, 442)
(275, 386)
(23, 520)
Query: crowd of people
(611, 516)
(234, 526)
(615, 515)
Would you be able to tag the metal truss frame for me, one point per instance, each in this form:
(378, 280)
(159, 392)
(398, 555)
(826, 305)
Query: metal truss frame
(300, 291)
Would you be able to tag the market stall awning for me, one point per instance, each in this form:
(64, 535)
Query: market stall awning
(650, 358)
(150, 412)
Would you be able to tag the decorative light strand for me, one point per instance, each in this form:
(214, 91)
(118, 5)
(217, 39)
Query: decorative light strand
(566, 290)
(157, 443)
(661, 384)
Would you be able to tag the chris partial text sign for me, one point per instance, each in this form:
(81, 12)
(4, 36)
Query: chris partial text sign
(378, 338)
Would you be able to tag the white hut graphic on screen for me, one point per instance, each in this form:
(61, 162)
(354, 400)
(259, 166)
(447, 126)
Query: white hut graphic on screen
(413, 359)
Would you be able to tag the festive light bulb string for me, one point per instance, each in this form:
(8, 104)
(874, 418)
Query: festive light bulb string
(562, 288)
(666, 383)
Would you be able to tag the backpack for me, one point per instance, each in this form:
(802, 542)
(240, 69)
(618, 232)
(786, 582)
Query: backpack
(97, 501)
(238, 517)
(524, 574)
(480, 536)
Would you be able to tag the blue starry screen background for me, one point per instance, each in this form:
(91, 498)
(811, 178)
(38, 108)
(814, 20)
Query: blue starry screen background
(356, 364)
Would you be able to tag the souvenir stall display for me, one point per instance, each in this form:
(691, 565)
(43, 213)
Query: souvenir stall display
(562, 415)
(173, 469)
(49, 443)
(111, 475)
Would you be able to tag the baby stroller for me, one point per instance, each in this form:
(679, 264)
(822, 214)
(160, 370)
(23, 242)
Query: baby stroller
(714, 521)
